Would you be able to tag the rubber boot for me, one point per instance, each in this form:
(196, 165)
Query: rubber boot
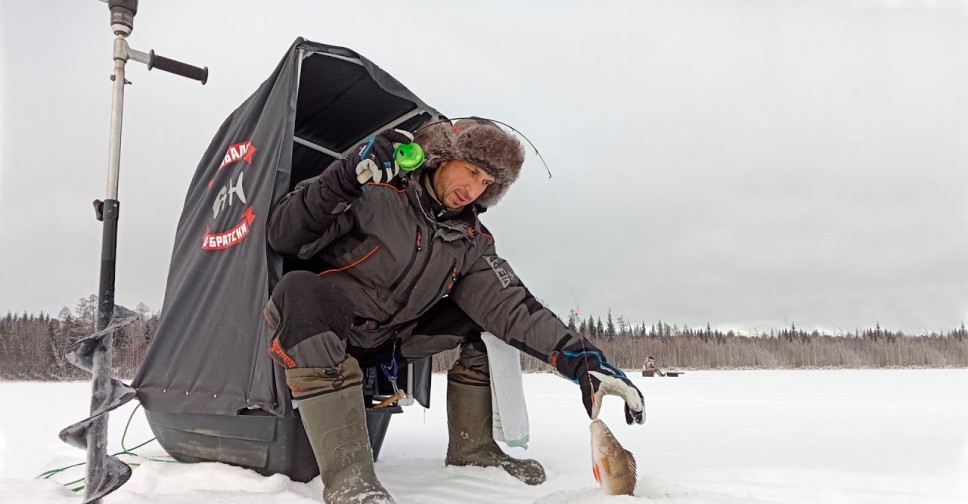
(336, 425)
(470, 425)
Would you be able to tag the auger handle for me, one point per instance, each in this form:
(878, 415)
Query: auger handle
(177, 67)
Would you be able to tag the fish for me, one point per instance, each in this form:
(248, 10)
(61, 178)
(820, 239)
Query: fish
(613, 466)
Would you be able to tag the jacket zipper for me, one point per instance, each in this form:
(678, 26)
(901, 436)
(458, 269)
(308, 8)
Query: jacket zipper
(452, 278)
(403, 274)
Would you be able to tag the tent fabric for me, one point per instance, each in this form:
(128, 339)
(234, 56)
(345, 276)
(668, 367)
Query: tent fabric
(209, 351)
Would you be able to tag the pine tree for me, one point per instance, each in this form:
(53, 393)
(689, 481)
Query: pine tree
(86, 311)
(56, 353)
(572, 319)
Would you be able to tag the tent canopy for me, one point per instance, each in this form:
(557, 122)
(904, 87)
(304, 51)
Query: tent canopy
(209, 352)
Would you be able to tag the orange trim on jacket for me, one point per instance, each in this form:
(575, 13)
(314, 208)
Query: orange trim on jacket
(348, 266)
(395, 188)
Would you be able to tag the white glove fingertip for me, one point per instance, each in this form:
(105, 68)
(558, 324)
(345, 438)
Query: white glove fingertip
(640, 416)
(404, 133)
(633, 400)
(365, 170)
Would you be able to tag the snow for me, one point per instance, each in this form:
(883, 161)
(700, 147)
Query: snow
(711, 437)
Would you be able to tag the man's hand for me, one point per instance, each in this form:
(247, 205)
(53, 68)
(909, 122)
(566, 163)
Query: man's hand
(373, 160)
(595, 385)
(585, 364)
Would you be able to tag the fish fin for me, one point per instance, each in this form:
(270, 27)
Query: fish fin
(633, 467)
(597, 473)
(606, 466)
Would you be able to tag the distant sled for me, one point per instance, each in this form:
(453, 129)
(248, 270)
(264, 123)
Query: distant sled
(208, 386)
(649, 373)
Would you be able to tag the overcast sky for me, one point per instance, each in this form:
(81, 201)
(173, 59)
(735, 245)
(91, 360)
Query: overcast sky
(749, 164)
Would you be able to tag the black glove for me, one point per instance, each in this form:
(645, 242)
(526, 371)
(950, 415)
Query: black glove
(371, 160)
(585, 364)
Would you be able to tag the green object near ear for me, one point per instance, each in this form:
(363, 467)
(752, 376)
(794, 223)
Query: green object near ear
(409, 156)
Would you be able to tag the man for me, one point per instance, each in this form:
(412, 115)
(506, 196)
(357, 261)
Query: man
(411, 272)
(650, 369)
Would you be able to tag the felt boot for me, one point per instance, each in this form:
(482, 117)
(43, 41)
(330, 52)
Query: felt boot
(335, 422)
(470, 425)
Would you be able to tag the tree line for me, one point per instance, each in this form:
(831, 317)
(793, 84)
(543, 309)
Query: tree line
(32, 346)
(628, 345)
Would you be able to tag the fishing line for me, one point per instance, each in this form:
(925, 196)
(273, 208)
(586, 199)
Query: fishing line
(512, 128)
(571, 283)
(571, 287)
(554, 207)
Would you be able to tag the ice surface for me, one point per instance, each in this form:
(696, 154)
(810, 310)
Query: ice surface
(723, 437)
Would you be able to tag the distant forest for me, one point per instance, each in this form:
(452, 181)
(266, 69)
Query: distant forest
(32, 346)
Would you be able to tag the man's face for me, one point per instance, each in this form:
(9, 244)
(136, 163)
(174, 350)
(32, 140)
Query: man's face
(458, 183)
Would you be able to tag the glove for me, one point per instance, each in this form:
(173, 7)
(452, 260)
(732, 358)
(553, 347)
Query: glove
(585, 364)
(372, 160)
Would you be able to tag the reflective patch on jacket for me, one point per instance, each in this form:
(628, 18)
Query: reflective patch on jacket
(503, 275)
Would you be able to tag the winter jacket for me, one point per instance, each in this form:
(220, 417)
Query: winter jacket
(394, 260)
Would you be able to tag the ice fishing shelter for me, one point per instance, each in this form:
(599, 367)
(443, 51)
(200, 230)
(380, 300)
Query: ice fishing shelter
(208, 386)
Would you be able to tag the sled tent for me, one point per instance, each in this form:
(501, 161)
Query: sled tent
(209, 354)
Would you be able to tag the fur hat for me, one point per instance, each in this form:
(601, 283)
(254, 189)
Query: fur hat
(479, 142)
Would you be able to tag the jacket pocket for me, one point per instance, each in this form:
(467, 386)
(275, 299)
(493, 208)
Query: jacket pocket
(417, 247)
(445, 286)
(351, 256)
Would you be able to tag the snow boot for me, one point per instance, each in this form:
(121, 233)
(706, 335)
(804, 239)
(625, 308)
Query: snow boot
(470, 424)
(335, 422)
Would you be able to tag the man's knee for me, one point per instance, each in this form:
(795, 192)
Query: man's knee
(302, 289)
(311, 319)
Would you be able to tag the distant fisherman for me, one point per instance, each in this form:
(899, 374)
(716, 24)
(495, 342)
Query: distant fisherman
(614, 466)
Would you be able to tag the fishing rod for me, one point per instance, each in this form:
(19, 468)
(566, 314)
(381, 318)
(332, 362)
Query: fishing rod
(410, 156)
(478, 118)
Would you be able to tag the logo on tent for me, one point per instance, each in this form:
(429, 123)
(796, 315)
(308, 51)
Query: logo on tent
(235, 152)
(225, 239)
(228, 194)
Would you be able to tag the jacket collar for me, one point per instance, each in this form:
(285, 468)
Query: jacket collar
(450, 224)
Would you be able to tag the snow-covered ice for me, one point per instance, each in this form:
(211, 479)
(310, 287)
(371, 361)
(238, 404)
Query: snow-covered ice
(712, 437)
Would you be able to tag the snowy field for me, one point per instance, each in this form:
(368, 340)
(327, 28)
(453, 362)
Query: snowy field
(726, 437)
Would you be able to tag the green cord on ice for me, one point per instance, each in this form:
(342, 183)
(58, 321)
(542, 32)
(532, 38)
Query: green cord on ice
(124, 451)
